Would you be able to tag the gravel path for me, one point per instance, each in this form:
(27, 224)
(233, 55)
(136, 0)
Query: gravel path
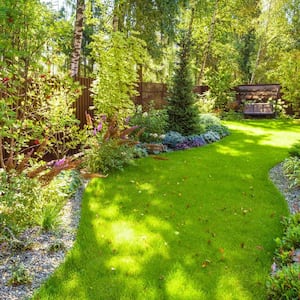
(40, 261)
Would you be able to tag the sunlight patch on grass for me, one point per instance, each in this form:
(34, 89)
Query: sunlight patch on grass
(230, 288)
(179, 285)
(110, 212)
(227, 150)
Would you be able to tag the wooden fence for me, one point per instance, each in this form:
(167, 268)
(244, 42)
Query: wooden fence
(148, 92)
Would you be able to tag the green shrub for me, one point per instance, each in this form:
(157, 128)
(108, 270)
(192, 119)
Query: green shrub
(172, 138)
(295, 150)
(285, 283)
(153, 122)
(220, 129)
(291, 169)
(108, 156)
(211, 136)
(19, 200)
(20, 275)
(206, 120)
(205, 103)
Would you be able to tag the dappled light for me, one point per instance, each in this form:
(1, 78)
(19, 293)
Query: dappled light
(200, 225)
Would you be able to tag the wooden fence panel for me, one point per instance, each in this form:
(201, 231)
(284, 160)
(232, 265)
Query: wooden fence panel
(85, 101)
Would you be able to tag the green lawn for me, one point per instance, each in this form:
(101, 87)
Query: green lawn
(199, 225)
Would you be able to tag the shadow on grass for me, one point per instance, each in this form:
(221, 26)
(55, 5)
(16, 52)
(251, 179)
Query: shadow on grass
(199, 225)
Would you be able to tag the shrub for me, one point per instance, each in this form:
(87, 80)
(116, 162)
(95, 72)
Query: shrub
(206, 120)
(108, 156)
(20, 275)
(211, 137)
(285, 283)
(173, 138)
(220, 129)
(291, 169)
(108, 146)
(195, 140)
(205, 103)
(153, 122)
(295, 150)
(19, 200)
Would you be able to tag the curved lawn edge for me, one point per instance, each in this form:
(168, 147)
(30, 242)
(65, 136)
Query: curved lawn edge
(222, 250)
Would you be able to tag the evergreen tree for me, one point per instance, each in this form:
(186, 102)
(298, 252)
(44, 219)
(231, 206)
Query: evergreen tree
(182, 113)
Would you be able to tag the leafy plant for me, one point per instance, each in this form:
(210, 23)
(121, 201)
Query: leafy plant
(220, 129)
(56, 246)
(291, 169)
(205, 103)
(285, 284)
(211, 136)
(109, 147)
(295, 150)
(118, 54)
(20, 275)
(153, 122)
(206, 120)
(173, 138)
(49, 217)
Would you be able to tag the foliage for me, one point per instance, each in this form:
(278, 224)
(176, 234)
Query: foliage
(220, 82)
(195, 140)
(283, 283)
(153, 122)
(206, 120)
(108, 147)
(27, 202)
(288, 74)
(140, 151)
(20, 275)
(211, 136)
(181, 109)
(117, 56)
(20, 200)
(172, 138)
(205, 103)
(291, 169)
(295, 150)
(232, 115)
(220, 129)
(56, 96)
(108, 156)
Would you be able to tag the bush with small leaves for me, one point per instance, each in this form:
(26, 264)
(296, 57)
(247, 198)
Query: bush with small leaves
(173, 138)
(20, 275)
(291, 169)
(295, 150)
(220, 129)
(206, 120)
(285, 283)
(153, 122)
(211, 137)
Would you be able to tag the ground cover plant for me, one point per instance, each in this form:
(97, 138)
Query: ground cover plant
(196, 224)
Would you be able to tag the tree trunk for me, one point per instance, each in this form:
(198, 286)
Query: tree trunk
(208, 44)
(78, 33)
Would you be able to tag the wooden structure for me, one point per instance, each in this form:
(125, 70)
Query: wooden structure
(258, 99)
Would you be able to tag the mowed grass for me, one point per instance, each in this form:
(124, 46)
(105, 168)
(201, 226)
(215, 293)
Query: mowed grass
(199, 225)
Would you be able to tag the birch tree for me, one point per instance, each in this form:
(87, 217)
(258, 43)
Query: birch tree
(77, 39)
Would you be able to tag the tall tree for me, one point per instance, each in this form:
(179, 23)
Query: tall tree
(181, 109)
(77, 39)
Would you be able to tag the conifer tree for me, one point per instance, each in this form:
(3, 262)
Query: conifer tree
(182, 113)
